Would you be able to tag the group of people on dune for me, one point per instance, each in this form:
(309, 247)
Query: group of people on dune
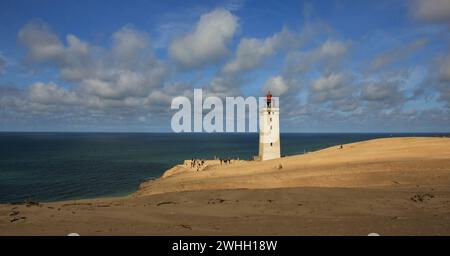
(225, 161)
(199, 163)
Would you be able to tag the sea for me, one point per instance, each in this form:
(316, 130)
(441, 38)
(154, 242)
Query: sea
(46, 166)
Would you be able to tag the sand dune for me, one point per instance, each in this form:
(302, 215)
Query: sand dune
(374, 163)
(395, 186)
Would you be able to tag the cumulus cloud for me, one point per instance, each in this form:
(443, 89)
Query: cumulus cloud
(329, 87)
(276, 85)
(323, 89)
(316, 78)
(442, 80)
(251, 52)
(41, 42)
(331, 49)
(223, 86)
(208, 42)
(43, 46)
(431, 10)
(120, 83)
(444, 69)
(128, 69)
(328, 53)
(129, 42)
(397, 54)
(387, 92)
(51, 94)
(97, 86)
(75, 62)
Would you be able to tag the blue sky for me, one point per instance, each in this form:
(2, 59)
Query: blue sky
(338, 66)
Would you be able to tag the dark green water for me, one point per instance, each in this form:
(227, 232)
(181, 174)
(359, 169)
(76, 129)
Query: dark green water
(58, 166)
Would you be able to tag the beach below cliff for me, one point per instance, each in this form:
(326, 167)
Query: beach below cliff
(392, 186)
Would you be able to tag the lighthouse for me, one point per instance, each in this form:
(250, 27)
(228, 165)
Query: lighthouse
(269, 130)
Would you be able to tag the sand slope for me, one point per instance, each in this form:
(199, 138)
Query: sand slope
(379, 162)
(398, 186)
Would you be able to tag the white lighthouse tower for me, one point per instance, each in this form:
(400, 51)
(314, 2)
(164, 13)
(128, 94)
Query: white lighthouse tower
(269, 131)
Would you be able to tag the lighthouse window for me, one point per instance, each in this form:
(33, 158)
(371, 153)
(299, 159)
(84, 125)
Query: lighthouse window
(271, 127)
(271, 119)
(271, 144)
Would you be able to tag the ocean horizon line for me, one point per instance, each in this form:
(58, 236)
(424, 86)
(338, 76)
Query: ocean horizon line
(227, 133)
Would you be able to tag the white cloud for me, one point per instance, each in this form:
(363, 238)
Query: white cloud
(129, 42)
(375, 92)
(431, 10)
(397, 54)
(329, 82)
(51, 94)
(331, 48)
(118, 83)
(442, 80)
(76, 60)
(386, 92)
(328, 53)
(330, 87)
(44, 46)
(276, 85)
(208, 42)
(251, 52)
(41, 43)
(444, 69)
(128, 69)
(223, 86)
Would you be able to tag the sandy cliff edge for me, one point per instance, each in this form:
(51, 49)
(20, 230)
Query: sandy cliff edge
(402, 161)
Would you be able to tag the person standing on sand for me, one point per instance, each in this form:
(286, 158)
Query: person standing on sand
(269, 99)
